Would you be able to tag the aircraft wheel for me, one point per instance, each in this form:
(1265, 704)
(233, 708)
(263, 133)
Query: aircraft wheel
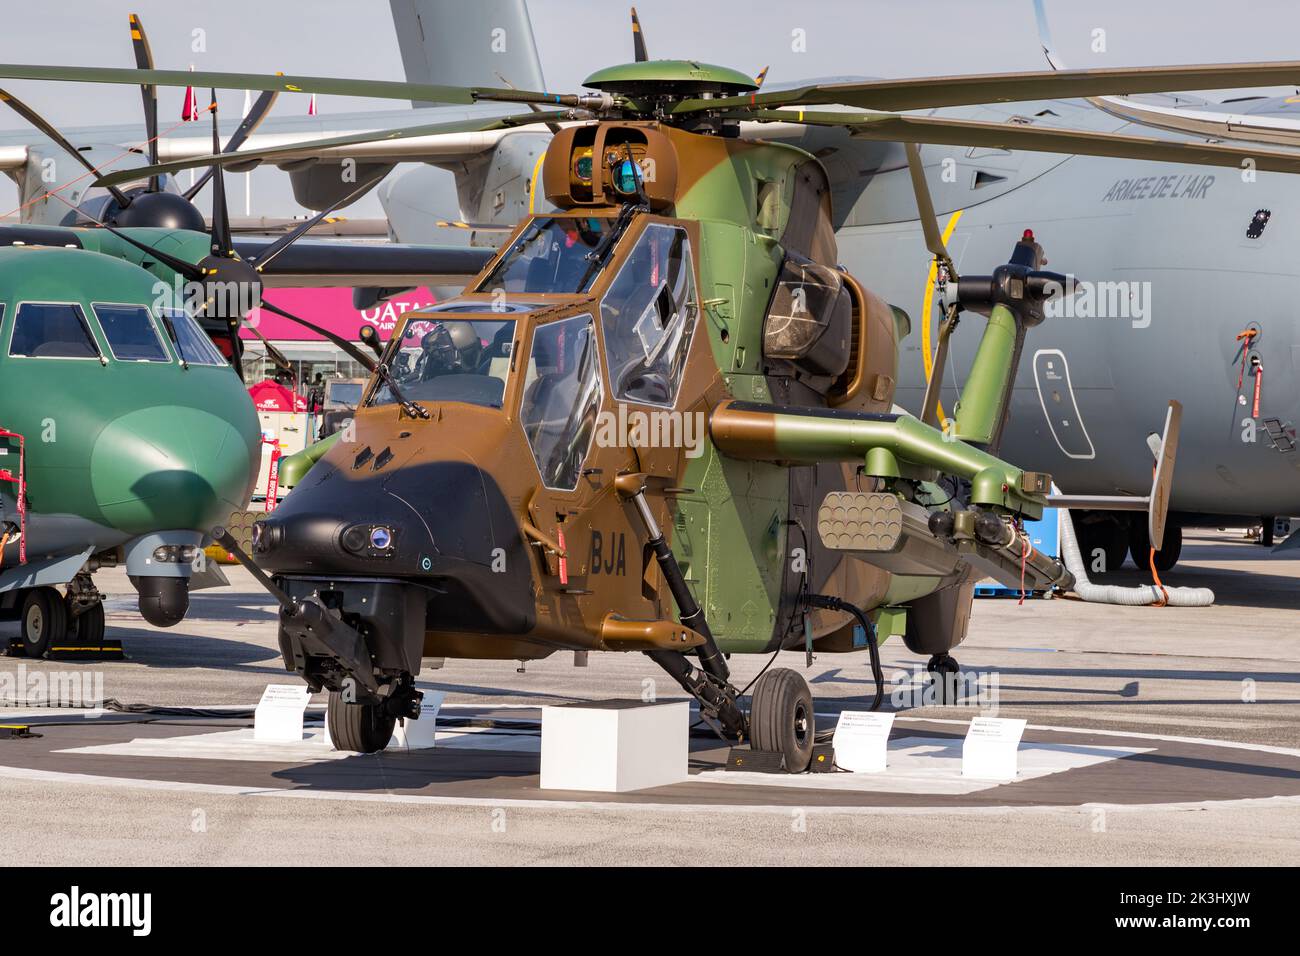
(1139, 546)
(781, 718)
(44, 618)
(945, 669)
(88, 626)
(364, 728)
(1111, 538)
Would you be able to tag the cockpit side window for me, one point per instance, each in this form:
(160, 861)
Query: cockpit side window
(192, 343)
(648, 317)
(550, 256)
(52, 330)
(130, 332)
(561, 399)
(447, 359)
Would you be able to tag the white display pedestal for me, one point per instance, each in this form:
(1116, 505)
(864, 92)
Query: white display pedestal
(989, 751)
(614, 746)
(418, 734)
(278, 717)
(862, 740)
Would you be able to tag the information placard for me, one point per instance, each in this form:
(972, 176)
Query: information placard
(278, 717)
(989, 751)
(862, 740)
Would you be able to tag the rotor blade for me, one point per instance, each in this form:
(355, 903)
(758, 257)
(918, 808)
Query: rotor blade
(762, 75)
(925, 209)
(951, 132)
(312, 147)
(930, 92)
(221, 245)
(265, 258)
(382, 89)
(35, 118)
(352, 351)
(148, 93)
(245, 129)
(188, 269)
(934, 387)
(638, 40)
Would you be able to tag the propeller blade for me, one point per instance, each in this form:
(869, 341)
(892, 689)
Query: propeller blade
(352, 351)
(188, 269)
(925, 209)
(267, 255)
(931, 92)
(148, 93)
(275, 355)
(221, 243)
(245, 129)
(35, 118)
(891, 127)
(312, 148)
(638, 39)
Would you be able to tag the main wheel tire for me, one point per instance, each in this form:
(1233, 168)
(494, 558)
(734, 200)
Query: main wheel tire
(945, 669)
(1139, 546)
(363, 728)
(1113, 541)
(88, 627)
(44, 620)
(781, 718)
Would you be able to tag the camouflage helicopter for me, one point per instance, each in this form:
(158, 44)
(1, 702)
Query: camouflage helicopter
(660, 419)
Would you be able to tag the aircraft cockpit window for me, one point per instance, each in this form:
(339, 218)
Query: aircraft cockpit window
(451, 360)
(552, 255)
(192, 343)
(130, 332)
(562, 399)
(648, 316)
(52, 330)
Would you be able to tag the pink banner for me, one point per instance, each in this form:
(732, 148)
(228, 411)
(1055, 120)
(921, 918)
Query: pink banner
(331, 309)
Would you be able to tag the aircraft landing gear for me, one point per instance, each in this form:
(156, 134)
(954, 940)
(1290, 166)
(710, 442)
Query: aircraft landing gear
(1139, 544)
(44, 618)
(367, 726)
(945, 669)
(781, 718)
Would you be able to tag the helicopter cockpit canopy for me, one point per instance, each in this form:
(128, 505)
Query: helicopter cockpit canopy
(551, 255)
(449, 359)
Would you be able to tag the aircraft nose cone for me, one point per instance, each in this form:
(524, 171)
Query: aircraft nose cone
(170, 467)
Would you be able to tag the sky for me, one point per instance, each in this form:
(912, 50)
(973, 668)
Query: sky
(809, 38)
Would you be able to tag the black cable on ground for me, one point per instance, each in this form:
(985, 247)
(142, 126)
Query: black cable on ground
(831, 603)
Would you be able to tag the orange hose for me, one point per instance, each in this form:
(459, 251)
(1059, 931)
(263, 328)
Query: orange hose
(1164, 601)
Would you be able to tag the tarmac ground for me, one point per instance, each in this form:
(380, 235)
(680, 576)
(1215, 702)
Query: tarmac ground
(1159, 736)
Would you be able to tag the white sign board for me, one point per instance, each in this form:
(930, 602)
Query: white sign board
(614, 746)
(278, 716)
(862, 740)
(989, 751)
(418, 734)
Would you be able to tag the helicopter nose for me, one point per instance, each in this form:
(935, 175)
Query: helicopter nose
(169, 467)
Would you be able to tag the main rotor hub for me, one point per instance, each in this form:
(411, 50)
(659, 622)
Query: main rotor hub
(670, 79)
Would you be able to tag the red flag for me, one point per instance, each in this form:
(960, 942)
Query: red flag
(190, 108)
(311, 107)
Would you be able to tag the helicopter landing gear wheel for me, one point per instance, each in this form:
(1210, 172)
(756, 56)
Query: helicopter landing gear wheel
(945, 669)
(781, 718)
(363, 728)
(44, 619)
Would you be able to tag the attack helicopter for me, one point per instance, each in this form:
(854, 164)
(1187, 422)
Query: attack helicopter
(125, 429)
(495, 498)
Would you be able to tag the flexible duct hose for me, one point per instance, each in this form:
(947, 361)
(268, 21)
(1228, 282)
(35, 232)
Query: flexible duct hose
(1117, 594)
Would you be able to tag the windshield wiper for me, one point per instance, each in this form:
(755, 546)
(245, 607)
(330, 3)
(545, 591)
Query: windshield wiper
(597, 256)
